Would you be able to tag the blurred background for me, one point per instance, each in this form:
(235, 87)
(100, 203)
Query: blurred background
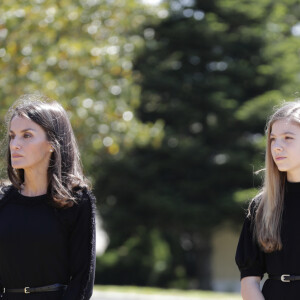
(168, 100)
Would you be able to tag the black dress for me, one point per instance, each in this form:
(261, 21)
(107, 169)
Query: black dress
(254, 262)
(42, 245)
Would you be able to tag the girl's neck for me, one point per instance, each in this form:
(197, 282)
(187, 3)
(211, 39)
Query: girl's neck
(294, 177)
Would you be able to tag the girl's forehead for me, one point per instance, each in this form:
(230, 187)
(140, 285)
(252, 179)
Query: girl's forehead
(284, 126)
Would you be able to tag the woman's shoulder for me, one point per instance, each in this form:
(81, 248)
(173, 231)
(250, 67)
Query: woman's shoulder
(83, 197)
(83, 200)
(83, 209)
(5, 190)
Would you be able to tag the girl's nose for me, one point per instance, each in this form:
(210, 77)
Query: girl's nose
(277, 146)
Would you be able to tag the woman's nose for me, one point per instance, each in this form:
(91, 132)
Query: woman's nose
(14, 144)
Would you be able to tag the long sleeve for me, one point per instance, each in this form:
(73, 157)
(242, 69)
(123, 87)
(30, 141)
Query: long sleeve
(4, 192)
(82, 250)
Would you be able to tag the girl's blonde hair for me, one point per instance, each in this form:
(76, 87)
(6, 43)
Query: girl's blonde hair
(269, 202)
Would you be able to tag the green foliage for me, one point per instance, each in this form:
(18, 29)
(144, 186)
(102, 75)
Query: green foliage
(81, 53)
(125, 260)
(244, 196)
(211, 72)
(254, 111)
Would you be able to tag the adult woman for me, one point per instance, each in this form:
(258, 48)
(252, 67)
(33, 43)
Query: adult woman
(47, 214)
(270, 241)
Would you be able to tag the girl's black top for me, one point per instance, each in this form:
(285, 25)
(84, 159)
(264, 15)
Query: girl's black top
(252, 261)
(41, 245)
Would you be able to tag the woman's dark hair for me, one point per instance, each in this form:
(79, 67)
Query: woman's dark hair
(65, 174)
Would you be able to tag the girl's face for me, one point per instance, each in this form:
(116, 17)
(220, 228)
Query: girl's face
(29, 146)
(285, 148)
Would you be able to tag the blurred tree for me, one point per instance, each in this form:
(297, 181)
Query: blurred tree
(81, 53)
(210, 72)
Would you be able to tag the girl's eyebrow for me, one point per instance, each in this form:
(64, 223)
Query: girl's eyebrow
(286, 132)
(27, 129)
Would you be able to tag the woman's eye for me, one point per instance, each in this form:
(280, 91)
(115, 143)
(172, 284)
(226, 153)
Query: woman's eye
(288, 138)
(27, 135)
(11, 137)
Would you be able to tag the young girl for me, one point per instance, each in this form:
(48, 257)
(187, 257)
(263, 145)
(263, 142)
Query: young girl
(47, 214)
(270, 238)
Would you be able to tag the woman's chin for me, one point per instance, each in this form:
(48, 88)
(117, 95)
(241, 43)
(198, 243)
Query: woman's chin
(17, 167)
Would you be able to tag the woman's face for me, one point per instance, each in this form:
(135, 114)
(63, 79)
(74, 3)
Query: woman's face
(29, 146)
(285, 148)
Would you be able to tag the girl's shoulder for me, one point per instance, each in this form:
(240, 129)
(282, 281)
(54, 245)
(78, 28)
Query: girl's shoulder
(253, 205)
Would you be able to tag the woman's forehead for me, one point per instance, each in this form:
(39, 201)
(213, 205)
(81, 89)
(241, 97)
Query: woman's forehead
(19, 123)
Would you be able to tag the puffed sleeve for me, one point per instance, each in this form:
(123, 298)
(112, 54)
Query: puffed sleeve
(82, 250)
(249, 258)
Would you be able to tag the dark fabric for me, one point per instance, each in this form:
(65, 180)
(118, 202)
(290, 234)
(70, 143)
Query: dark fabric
(254, 262)
(43, 245)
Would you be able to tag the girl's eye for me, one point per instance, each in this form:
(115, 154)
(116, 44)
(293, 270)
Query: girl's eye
(288, 138)
(27, 135)
(11, 136)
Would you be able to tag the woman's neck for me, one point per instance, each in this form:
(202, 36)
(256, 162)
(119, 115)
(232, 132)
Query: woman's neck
(35, 183)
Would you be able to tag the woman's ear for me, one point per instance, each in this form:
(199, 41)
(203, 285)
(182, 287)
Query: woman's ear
(51, 147)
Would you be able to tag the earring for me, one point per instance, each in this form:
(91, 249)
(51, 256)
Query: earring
(51, 150)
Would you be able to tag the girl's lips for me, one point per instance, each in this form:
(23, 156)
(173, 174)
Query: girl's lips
(280, 158)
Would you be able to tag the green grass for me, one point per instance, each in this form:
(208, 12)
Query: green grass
(203, 295)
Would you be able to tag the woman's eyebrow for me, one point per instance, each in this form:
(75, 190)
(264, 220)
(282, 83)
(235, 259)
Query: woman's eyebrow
(26, 129)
